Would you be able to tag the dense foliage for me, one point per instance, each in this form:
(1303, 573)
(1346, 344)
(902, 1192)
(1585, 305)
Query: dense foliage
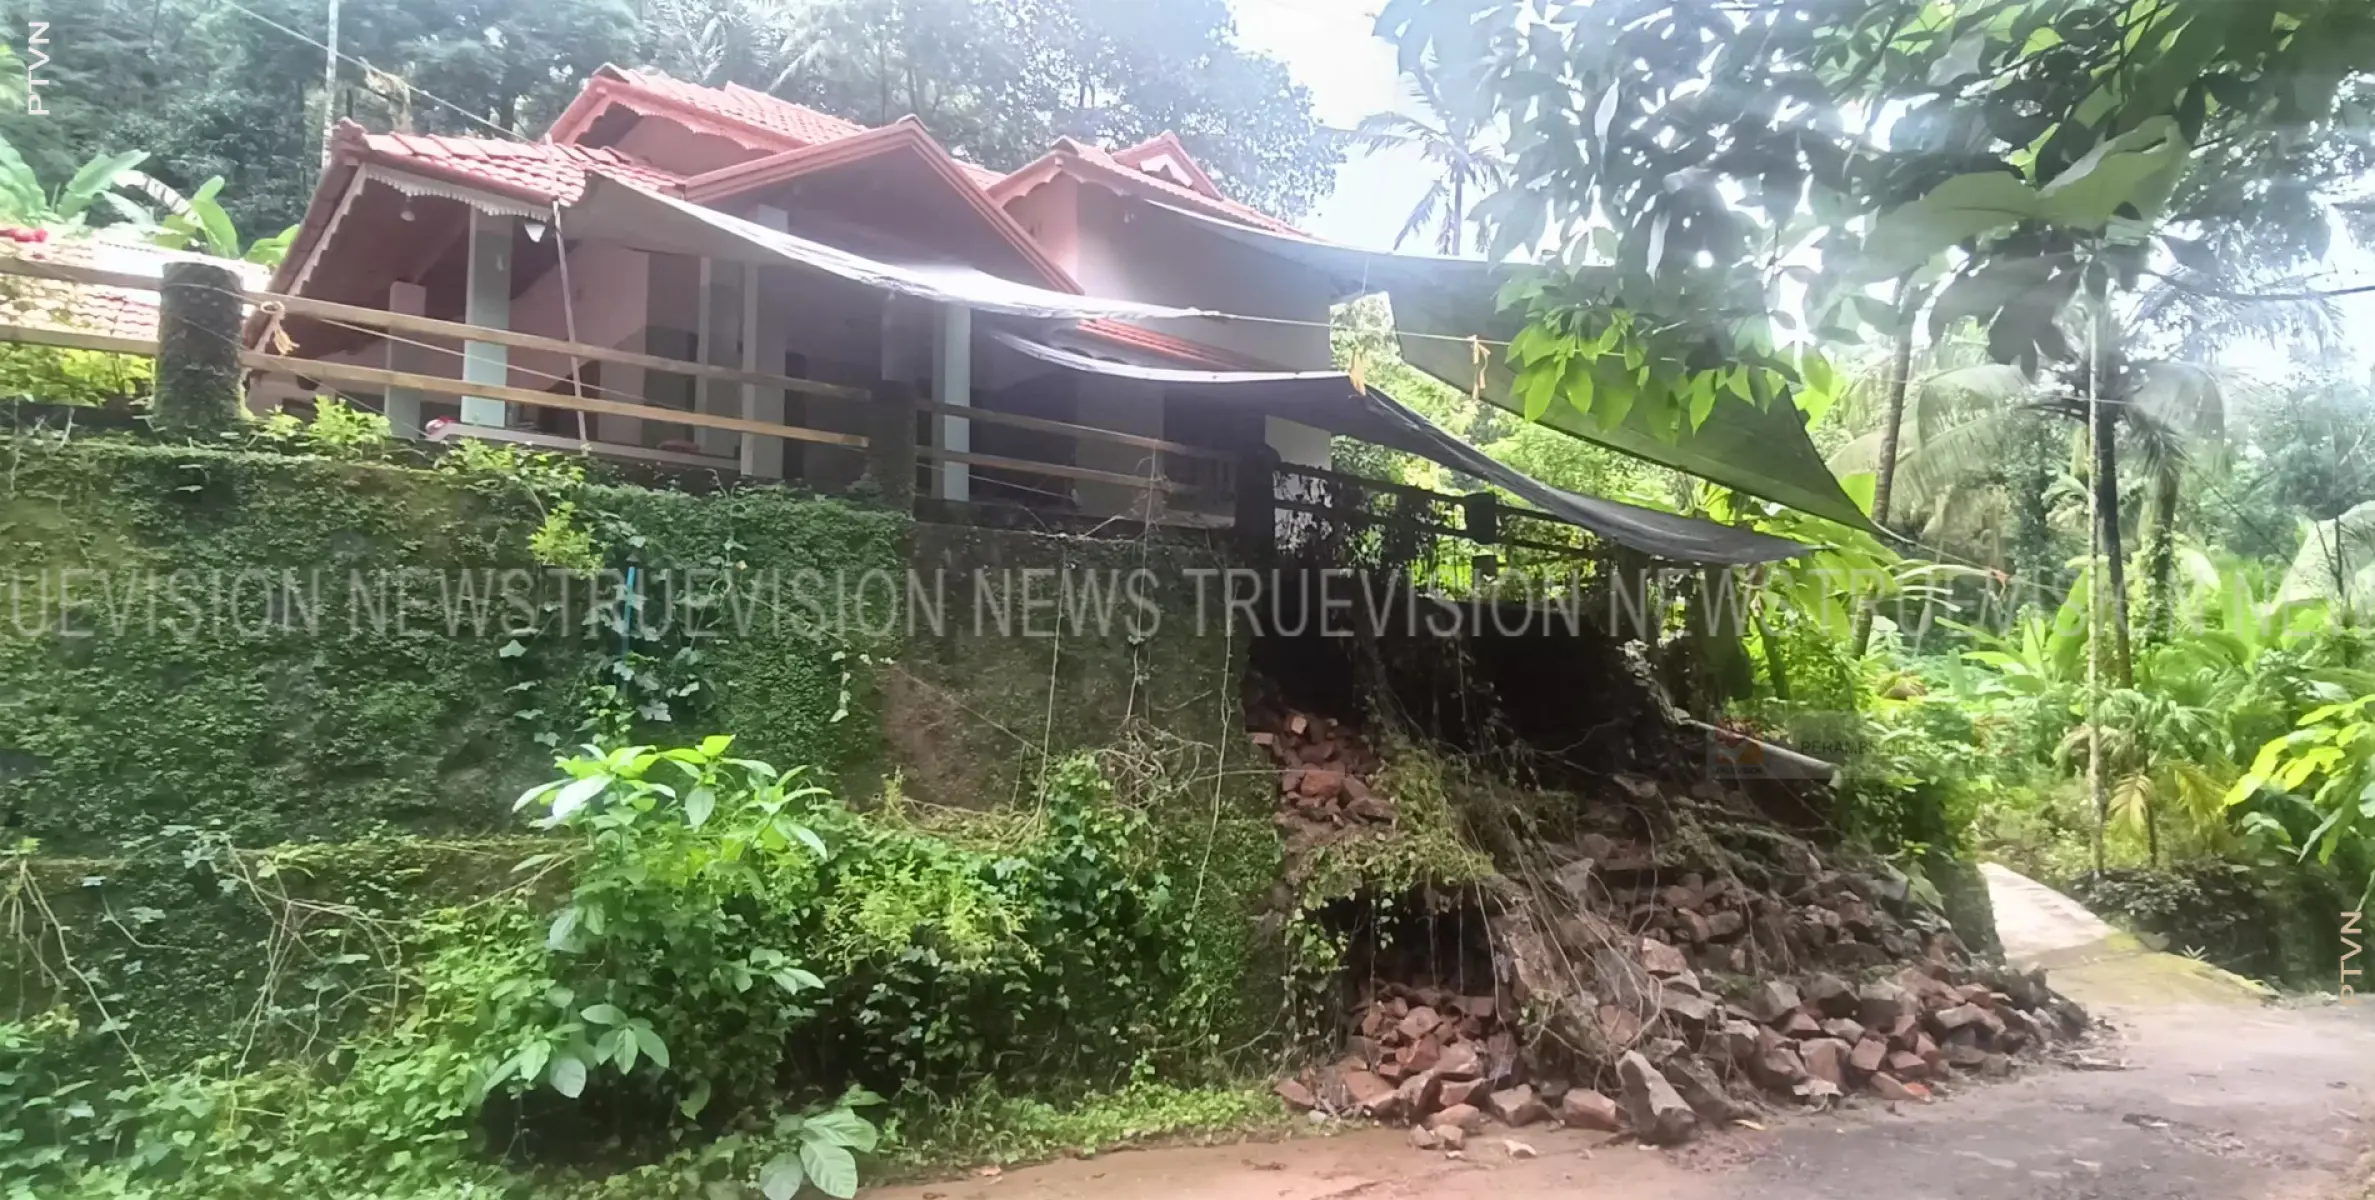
(386, 647)
(2058, 217)
(216, 90)
(687, 992)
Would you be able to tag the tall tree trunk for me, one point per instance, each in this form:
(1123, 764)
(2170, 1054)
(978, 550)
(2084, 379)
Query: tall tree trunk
(1459, 212)
(2115, 567)
(2152, 833)
(2102, 375)
(2032, 558)
(1892, 431)
(1776, 671)
(2160, 556)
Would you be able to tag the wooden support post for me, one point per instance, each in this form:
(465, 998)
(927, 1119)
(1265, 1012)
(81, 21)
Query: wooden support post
(890, 445)
(488, 304)
(1257, 507)
(198, 317)
(403, 405)
(952, 385)
(763, 337)
(1483, 525)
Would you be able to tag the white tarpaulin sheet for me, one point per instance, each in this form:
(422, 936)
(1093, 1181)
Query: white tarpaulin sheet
(620, 212)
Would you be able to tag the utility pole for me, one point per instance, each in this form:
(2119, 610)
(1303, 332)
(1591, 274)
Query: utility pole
(330, 85)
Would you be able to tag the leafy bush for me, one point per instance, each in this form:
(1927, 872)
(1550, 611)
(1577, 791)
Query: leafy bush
(731, 942)
(2267, 924)
(50, 375)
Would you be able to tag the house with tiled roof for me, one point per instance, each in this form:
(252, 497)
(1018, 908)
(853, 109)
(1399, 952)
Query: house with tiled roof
(477, 229)
(1103, 332)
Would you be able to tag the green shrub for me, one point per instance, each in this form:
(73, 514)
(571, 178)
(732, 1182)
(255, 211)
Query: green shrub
(733, 949)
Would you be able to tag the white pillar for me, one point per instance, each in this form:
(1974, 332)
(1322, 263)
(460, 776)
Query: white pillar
(952, 385)
(720, 327)
(404, 404)
(762, 352)
(488, 305)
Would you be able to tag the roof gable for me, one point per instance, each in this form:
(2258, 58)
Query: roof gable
(749, 117)
(1104, 168)
(1166, 157)
(905, 137)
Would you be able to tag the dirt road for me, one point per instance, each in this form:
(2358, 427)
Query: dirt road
(2222, 1097)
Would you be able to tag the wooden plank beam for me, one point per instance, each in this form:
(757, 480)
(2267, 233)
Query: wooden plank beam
(381, 319)
(1044, 425)
(431, 326)
(75, 339)
(437, 385)
(13, 264)
(1054, 470)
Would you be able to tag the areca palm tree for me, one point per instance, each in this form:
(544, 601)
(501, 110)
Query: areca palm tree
(1457, 138)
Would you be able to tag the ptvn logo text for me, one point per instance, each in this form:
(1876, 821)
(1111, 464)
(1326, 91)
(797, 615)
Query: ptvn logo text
(36, 63)
(2350, 950)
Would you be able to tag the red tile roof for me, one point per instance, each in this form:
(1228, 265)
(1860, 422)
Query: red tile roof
(1167, 145)
(92, 308)
(745, 106)
(1096, 164)
(1179, 349)
(541, 171)
(555, 170)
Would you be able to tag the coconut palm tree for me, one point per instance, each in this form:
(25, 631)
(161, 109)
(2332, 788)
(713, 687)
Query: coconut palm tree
(1457, 138)
(762, 44)
(2165, 406)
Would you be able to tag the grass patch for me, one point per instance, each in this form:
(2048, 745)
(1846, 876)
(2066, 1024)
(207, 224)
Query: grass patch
(987, 1128)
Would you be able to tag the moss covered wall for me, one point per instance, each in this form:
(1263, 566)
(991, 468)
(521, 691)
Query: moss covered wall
(187, 643)
(243, 807)
(1110, 638)
(194, 950)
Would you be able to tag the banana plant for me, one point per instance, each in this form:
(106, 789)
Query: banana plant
(2325, 769)
(24, 201)
(197, 221)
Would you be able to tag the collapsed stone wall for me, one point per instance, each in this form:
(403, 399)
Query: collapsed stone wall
(1667, 952)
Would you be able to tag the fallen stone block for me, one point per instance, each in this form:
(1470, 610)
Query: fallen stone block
(1658, 1113)
(1466, 1117)
(1826, 1059)
(1583, 1108)
(1296, 1094)
(1517, 1107)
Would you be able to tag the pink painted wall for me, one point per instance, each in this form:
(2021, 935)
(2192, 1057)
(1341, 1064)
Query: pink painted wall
(673, 147)
(608, 287)
(1050, 213)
